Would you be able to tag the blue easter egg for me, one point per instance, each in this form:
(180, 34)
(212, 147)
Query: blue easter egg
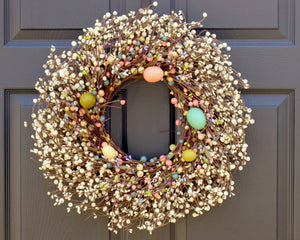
(143, 159)
(175, 176)
(196, 118)
(109, 165)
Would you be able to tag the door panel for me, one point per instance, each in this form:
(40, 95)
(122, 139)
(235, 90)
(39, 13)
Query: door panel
(29, 216)
(261, 208)
(265, 49)
(148, 119)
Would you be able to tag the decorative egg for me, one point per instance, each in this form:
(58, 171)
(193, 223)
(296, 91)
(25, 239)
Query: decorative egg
(143, 159)
(87, 100)
(109, 165)
(139, 167)
(153, 74)
(169, 163)
(175, 175)
(140, 173)
(109, 152)
(123, 102)
(172, 147)
(201, 136)
(162, 158)
(196, 118)
(189, 155)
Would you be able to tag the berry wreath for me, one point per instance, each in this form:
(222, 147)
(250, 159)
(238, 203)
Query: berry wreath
(90, 172)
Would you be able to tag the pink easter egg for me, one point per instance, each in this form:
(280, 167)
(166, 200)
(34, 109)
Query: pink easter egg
(195, 103)
(162, 158)
(173, 71)
(101, 93)
(120, 161)
(169, 162)
(81, 112)
(153, 74)
(149, 59)
(174, 101)
(178, 122)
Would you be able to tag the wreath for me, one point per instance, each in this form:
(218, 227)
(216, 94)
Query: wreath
(90, 172)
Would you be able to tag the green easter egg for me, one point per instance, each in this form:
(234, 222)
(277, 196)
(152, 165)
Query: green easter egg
(87, 100)
(196, 118)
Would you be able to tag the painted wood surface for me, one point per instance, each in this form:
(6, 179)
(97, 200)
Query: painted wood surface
(265, 48)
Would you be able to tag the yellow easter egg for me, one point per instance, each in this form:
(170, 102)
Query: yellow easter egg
(140, 173)
(189, 155)
(87, 100)
(109, 152)
(172, 147)
(139, 167)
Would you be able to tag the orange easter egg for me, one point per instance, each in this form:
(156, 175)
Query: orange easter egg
(153, 74)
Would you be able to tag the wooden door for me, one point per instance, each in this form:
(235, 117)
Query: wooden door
(265, 40)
